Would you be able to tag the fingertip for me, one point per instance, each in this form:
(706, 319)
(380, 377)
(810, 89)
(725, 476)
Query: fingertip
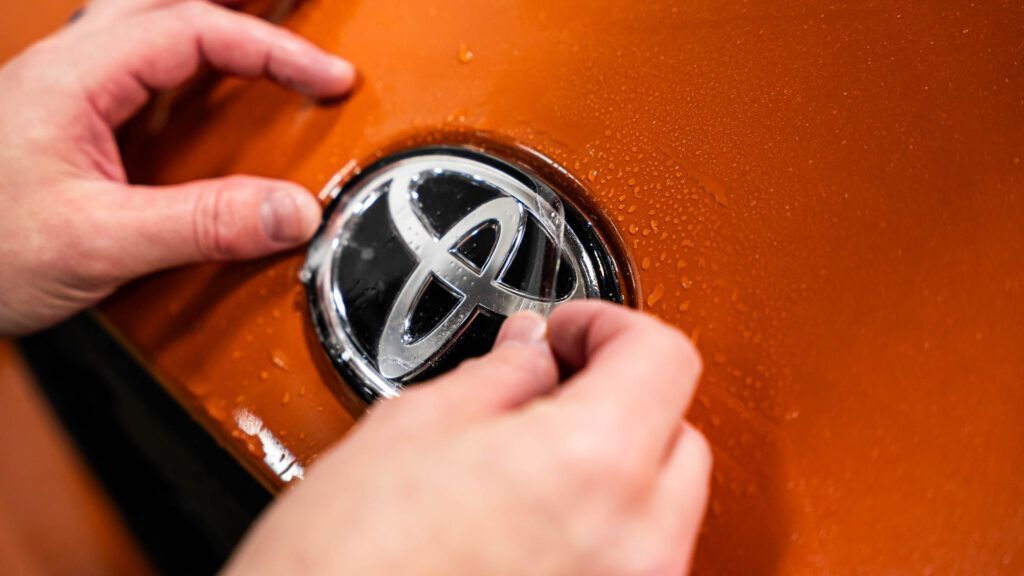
(310, 213)
(250, 46)
(289, 214)
(523, 327)
(332, 78)
(571, 326)
(343, 74)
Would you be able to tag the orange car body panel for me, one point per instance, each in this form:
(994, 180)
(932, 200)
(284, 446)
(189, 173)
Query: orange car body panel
(827, 198)
(54, 516)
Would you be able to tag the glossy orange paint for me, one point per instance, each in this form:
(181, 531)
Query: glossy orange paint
(828, 198)
(26, 22)
(54, 516)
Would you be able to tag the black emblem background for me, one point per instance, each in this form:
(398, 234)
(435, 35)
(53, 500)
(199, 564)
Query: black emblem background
(374, 263)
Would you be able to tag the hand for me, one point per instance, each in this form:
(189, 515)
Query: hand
(71, 227)
(493, 469)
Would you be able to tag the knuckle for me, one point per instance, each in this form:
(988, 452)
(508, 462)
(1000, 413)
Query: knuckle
(91, 269)
(592, 457)
(211, 227)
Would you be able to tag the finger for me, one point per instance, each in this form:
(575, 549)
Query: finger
(148, 229)
(520, 368)
(681, 492)
(160, 49)
(114, 8)
(631, 369)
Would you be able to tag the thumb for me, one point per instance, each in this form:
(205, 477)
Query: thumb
(221, 219)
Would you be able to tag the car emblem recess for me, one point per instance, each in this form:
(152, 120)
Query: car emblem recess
(423, 254)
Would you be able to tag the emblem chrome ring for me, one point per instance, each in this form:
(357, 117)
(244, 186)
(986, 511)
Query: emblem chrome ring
(591, 267)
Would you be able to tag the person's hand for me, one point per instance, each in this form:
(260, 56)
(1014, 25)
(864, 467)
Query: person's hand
(494, 470)
(71, 227)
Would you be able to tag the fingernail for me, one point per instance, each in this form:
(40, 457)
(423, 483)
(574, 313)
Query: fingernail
(524, 328)
(289, 216)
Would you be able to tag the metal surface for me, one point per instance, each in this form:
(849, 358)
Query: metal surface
(825, 196)
(511, 199)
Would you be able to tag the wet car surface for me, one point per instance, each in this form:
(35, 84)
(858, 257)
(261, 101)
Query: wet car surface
(826, 198)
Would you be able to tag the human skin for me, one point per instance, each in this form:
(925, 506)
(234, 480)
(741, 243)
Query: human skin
(498, 468)
(560, 452)
(63, 180)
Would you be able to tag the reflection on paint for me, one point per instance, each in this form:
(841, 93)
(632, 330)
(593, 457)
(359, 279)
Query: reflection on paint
(275, 455)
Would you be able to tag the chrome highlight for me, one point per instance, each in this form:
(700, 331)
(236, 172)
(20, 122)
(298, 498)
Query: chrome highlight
(397, 356)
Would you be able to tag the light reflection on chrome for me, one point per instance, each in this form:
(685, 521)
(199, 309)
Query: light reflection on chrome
(397, 358)
(275, 455)
(438, 260)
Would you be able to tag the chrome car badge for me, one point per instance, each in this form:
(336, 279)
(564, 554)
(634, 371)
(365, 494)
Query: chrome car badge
(422, 256)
